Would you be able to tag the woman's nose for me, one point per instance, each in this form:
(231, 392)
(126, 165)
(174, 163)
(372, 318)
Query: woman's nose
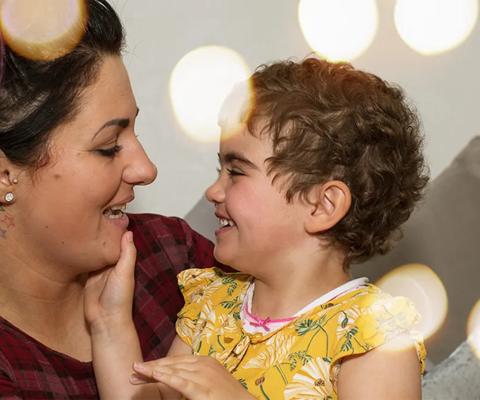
(140, 169)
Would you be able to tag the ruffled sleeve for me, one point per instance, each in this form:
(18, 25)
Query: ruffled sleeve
(196, 285)
(375, 319)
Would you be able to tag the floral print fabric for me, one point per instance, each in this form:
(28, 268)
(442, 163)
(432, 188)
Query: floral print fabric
(300, 360)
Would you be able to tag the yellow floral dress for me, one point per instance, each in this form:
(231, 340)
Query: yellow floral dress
(300, 360)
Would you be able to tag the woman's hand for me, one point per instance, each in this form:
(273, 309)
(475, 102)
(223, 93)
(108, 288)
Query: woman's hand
(109, 292)
(195, 377)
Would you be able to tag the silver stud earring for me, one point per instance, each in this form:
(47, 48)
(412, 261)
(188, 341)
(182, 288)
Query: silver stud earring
(9, 197)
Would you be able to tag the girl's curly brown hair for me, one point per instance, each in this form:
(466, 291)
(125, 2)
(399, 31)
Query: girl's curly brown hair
(330, 121)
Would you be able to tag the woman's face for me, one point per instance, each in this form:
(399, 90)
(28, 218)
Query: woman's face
(67, 212)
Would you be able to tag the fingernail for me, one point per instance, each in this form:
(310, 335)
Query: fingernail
(136, 379)
(138, 366)
(129, 236)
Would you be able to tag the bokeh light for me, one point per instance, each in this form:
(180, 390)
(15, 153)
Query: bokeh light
(338, 29)
(199, 84)
(421, 285)
(236, 109)
(473, 329)
(434, 26)
(42, 29)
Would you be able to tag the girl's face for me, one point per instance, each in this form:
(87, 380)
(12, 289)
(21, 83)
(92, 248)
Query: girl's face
(67, 213)
(257, 225)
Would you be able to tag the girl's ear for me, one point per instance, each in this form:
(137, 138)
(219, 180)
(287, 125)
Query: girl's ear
(329, 203)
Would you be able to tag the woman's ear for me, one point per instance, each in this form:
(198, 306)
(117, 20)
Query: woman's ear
(329, 203)
(8, 179)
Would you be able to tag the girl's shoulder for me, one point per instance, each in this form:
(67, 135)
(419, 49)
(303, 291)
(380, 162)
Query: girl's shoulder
(195, 283)
(371, 301)
(369, 317)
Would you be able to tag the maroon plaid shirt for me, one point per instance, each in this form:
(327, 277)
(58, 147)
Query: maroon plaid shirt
(29, 370)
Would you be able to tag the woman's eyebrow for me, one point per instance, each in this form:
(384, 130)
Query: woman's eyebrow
(121, 122)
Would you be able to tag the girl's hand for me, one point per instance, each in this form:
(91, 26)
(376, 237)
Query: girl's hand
(195, 377)
(109, 292)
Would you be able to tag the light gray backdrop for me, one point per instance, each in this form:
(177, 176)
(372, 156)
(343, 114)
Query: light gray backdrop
(444, 87)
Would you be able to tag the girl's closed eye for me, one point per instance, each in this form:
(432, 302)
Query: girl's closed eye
(234, 172)
(110, 151)
(230, 171)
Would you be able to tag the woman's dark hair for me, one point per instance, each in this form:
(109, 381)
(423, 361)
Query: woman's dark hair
(330, 121)
(2, 51)
(38, 96)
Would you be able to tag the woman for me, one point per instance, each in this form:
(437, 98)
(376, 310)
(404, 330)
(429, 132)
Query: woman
(69, 162)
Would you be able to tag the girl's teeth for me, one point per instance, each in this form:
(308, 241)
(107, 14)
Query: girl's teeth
(225, 222)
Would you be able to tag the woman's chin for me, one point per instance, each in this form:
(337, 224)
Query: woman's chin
(112, 256)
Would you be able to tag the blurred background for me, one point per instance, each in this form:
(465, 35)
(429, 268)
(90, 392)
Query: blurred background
(184, 56)
(439, 71)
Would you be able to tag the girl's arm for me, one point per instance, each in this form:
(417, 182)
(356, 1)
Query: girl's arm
(115, 347)
(115, 344)
(114, 353)
(387, 372)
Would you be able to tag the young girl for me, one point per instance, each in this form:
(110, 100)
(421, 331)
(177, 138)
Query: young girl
(316, 173)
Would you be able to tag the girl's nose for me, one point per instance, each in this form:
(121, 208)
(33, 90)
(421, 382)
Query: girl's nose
(215, 193)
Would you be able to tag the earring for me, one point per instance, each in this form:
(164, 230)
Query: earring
(9, 197)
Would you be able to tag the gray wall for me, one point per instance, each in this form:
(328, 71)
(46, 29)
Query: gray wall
(159, 32)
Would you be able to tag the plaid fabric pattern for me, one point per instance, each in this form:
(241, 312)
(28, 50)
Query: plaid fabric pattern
(166, 246)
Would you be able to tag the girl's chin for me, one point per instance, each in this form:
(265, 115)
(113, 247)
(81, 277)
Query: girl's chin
(221, 257)
(227, 262)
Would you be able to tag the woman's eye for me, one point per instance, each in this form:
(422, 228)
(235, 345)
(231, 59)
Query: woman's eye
(110, 152)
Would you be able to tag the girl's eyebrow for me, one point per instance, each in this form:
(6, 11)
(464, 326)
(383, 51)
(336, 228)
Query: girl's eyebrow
(232, 156)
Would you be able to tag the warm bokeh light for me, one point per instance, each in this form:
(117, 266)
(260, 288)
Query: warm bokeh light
(421, 285)
(473, 329)
(236, 108)
(434, 26)
(199, 84)
(42, 30)
(338, 29)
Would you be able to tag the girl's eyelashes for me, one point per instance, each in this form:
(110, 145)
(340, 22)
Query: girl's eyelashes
(234, 172)
(109, 152)
(230, 171)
